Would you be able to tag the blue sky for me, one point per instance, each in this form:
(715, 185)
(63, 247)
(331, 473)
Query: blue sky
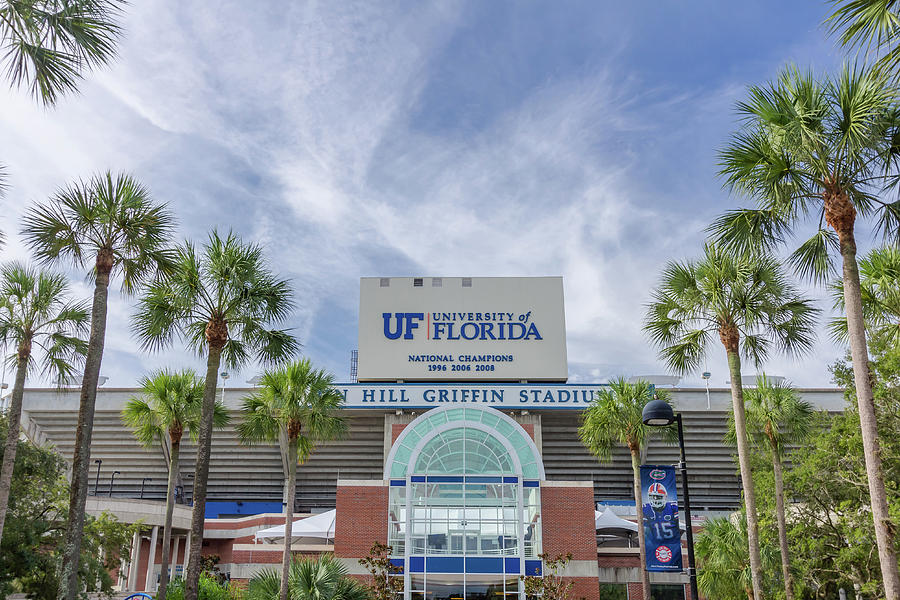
(441, 138)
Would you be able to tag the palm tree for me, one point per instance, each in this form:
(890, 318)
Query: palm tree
(34, 311)
(219, 300)
(872, 25)
(296, 407)
(49, 44)
(777, 417)
(879, 284)
(322, 578)
(168, 404)
(722, 553)
(823, 151)
(111, 226)
(748, 301)
(614, 419)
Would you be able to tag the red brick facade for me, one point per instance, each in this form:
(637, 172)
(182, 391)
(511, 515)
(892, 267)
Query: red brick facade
(361, 519)
(585, 588)
(529, 429)
(396, 430)
(567, 517)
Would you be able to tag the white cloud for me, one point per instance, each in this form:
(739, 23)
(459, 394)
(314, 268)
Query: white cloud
(294, 124)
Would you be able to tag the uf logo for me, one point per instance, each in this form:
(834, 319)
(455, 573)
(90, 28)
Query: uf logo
(411, 319)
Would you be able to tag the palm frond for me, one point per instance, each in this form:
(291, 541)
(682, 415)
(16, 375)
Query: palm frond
(36, 311)
(50, 44)
(746, 230)
(614, 418)
(812, 259)
(224, 280)
(112, 213)
(868, 26)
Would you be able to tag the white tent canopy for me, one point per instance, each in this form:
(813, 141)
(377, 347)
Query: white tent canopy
(609, 523)
(316, 526)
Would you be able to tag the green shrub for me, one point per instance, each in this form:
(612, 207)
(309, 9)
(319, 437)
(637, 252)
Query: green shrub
(210, 589)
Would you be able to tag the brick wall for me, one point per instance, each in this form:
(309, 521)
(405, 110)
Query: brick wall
(361, 519)
(614, 560)
(396, 430)
(567, 515)
(529, 428)
(584, 587)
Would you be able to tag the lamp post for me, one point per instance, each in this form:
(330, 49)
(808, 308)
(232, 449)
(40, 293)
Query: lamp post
(225, 375)
(658, 413)
(112, 479)
(143, 481)
(97, 481)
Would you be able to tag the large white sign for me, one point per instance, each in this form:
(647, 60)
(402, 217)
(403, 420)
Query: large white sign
(463, 329)
(426, 395)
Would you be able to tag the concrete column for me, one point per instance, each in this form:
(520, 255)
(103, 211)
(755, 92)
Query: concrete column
(150, 580)
(174, 560)
(187, 552)
(135, 559)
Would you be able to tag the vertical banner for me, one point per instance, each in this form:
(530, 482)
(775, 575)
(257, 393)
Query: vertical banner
(659, 499)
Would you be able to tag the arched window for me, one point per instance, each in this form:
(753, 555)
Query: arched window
(473, 440)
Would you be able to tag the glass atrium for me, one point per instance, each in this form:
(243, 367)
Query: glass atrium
(464, 519)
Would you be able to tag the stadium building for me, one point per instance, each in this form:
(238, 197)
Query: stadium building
(462, 454)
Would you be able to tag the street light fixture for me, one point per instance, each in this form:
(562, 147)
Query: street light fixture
(225, 375)
(112, 479)
(658, 413)
(97, 481)
(143, 481)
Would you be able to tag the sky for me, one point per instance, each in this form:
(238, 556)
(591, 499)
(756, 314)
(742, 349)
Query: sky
(353, 139)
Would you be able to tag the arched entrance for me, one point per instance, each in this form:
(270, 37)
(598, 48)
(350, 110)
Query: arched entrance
(465, 513)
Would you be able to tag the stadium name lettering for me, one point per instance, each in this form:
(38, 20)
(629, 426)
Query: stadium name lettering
(421, 396)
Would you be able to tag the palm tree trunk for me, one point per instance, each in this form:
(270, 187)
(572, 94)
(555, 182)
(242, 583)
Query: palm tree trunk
(201, 473)
(859, 353)
(12, 435)
(636, 474)
(743, 446)
(291, 485)
(782, 526)
(170, 508)
(70, 587)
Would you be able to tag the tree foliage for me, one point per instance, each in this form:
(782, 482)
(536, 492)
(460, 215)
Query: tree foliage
(871, 26)
(879, 280)
(727, 294)
(812, 152)
(321, 578)
(615, 419)
(47, 45)
(169, 403)
(35, 530)
(550, 585)
(226, 285)
(297, 401)
(386, 579)
(723, 560)
(831, 527)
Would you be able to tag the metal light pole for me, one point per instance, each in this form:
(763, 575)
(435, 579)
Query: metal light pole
(225, 375)
(97, 481)
(706, 375)
(112, 479)
(658, 413)
(143, 481)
